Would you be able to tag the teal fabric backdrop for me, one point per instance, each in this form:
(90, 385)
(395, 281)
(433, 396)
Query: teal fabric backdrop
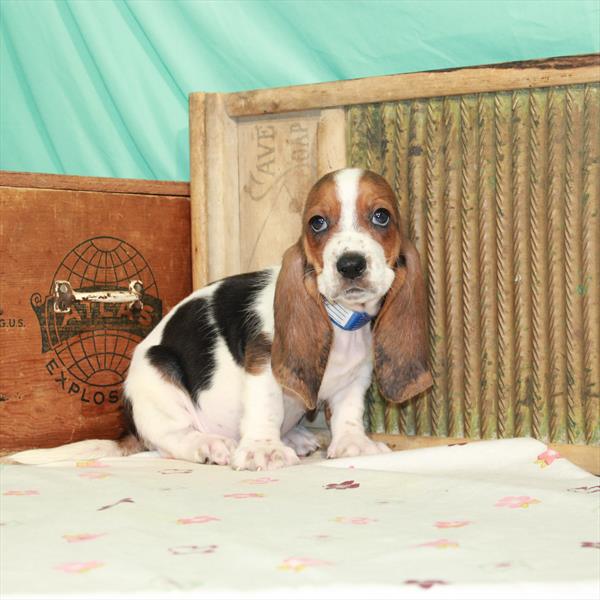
(100, 87)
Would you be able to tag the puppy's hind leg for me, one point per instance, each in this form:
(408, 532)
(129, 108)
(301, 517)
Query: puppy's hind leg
(164, 416)
(194, 446)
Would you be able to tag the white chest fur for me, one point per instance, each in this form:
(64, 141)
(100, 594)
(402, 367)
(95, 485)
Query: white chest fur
(350, 358)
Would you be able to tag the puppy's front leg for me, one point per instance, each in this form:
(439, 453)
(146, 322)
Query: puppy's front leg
(348, 437)
(260, 445)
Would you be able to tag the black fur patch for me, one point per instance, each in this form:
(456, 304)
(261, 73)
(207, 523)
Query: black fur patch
(232, 303)
(185, 355)
(128, 416)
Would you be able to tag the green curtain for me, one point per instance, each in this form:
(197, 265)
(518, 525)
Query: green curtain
(100, 87)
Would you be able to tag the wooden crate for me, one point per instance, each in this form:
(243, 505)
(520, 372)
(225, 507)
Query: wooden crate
(497, 174)
(61, 373)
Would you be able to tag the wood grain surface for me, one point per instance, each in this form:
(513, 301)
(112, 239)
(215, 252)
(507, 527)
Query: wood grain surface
(61, 374)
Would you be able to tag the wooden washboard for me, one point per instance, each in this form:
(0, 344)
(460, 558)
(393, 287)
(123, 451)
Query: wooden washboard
(497, 171)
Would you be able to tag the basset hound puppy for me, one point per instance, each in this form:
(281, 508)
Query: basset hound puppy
(228, 374)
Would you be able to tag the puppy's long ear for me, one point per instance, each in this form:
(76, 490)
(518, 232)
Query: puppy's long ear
(303, 331)
(400, 333)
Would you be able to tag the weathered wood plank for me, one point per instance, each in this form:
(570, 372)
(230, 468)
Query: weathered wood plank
(278, 163)
(199, 209)
(222, 191)
(489, 78)
(94, 184)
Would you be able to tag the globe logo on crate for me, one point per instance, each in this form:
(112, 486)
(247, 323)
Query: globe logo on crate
(92, 344)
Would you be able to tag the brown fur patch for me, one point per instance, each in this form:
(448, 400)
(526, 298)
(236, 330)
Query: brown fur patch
(303, 331)
(130, 444)
(323, 201)
(258, 354)
(400, 333)
(374, 192)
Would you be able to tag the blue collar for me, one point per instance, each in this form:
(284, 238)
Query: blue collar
(348, 320)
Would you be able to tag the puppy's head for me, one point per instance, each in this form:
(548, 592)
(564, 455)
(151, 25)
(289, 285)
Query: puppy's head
(352, 252)
(352, 237)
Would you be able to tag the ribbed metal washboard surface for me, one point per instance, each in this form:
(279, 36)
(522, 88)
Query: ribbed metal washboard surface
(500, 192)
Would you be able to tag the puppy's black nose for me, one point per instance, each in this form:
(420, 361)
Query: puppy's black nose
(351, 265)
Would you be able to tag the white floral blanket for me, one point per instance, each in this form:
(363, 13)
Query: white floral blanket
(502, 519)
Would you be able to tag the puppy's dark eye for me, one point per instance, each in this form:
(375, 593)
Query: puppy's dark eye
(381, 217)
(318, 224)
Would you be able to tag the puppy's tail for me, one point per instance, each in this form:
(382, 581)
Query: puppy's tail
(84, 450)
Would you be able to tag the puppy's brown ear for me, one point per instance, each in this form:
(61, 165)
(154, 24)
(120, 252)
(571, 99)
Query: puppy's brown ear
(400, 333)
(303, 332)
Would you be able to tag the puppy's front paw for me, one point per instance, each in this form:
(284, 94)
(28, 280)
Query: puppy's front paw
(214, 449)
(257, 455)
(354, 444)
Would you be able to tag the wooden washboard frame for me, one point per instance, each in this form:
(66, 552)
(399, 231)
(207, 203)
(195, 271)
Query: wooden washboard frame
(497, 173)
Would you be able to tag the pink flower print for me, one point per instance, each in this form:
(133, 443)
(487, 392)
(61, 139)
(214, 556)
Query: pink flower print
(198, 519)
(175, 471)
(355, 520)
(260, 480)
(451, 524)
(441, 544)
(345, 485)
(81, 537)
(243, 495)
(178, 550)
(425, 583)
(546, 458)
(591, 545)
(79, 567)
(94, 475)
(299, 564)
(516, 501)
(90, 464)
(21, 493)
